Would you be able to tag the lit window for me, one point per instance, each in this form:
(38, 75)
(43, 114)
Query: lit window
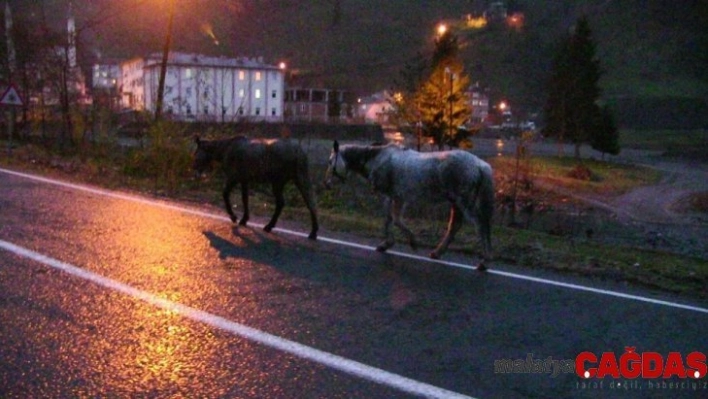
(258, 93)
(258, 75)
(241, 93)
(241, 75)
(188, 73)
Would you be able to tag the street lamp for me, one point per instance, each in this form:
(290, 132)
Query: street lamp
(163, 66)
(442, 28)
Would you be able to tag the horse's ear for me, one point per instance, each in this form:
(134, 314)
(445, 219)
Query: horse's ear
(336, 146)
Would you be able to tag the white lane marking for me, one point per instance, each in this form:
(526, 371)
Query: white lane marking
(336, 362)
(517, 276)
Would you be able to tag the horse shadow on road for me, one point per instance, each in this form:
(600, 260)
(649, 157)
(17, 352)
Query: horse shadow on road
(403, 282)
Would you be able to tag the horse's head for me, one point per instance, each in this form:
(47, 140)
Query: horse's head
(336, 166)
(202, 157)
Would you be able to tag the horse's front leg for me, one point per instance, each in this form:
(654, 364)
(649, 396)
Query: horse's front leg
(279, 203)
(399, 207)
(227, 199)
(244, 200)
(389, 240)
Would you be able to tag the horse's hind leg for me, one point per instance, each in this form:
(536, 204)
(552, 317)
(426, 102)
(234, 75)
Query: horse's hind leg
(484, 227)
(227, 200)
(244, 200)
(483, 223)
(305, 188)
(279, 203)
(453, 227)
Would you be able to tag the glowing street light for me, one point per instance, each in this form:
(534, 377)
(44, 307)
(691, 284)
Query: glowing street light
(442, 29)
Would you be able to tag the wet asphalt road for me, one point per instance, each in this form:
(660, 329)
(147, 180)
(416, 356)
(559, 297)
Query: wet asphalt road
(62, 335)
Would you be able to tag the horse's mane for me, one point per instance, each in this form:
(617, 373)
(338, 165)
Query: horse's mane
(357, 156)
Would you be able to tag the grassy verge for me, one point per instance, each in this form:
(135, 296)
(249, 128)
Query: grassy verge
(533, 249)
(607, 178)
(692, 144)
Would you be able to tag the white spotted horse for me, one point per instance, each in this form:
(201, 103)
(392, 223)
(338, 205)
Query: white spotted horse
(405, 176)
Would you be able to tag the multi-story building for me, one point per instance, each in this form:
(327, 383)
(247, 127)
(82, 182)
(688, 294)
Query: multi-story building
(315, 105)
(479, 101)
(104, 84)
(204, 88)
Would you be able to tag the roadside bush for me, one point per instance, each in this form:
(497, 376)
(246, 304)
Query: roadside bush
(165, 158)
(582, 172)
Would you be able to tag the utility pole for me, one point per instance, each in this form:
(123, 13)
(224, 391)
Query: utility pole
(451, 131)
(11, 65)
(163, 66)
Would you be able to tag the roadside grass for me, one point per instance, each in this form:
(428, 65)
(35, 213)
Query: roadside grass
(355, 209)
(607, 178)
(527, 248)
(691, 143)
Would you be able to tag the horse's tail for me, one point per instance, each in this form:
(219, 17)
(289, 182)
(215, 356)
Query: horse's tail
(485, 207)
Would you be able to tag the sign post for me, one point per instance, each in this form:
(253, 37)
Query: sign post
(12, 99)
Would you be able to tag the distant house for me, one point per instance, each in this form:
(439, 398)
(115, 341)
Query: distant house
(496, 11)
(104, 84)
(315, 105)
(204, 88)
(479, 101)
(375, 108)
(105, 76)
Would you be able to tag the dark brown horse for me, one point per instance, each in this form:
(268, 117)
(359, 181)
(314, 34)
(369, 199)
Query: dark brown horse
(247, 161)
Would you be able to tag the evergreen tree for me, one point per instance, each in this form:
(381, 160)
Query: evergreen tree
(606, 138)
(443, 103)
(442, 100)
(405, 89)
(571, 112)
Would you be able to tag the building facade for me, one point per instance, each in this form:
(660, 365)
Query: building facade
(315, 105)
(203, 88)
(375, 108)
(479, 101)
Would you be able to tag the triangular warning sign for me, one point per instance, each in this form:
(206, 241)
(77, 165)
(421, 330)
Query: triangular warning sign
(11, 97)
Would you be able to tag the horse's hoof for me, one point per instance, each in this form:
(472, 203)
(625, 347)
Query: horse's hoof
(234, 219)
(243, 222)
(312, 236)
(268, 228)
(382, 248)
(434, 255)
(414, 245)
(481, 267)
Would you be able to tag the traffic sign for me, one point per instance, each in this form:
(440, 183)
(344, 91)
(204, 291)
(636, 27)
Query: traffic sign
(11, 97)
